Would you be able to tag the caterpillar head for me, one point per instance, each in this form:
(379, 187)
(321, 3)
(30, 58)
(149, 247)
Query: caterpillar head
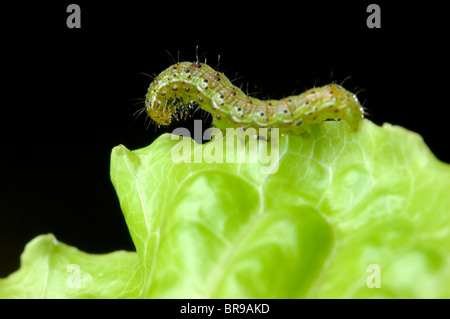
(161, 115)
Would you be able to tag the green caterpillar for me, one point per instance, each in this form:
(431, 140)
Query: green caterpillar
(177, 89)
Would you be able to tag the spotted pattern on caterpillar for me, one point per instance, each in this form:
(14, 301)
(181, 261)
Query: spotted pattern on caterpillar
(181, 86)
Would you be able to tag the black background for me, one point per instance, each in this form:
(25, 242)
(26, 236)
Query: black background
(68, 94)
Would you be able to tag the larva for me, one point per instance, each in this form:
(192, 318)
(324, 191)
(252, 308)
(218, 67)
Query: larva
(181, 86)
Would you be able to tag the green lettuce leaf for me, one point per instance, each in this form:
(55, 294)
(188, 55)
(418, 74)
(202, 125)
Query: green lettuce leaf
(52, 269)
(343, 215)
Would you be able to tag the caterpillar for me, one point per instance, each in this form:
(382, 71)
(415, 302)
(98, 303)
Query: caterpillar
(178, 89)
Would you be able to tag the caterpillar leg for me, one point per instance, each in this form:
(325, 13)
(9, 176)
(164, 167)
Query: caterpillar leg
(303, 131)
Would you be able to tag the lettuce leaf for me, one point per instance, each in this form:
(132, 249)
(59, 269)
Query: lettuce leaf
(344, 215)
(52, 269)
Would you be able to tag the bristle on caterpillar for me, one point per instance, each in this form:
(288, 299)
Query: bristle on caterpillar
(175, 91)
